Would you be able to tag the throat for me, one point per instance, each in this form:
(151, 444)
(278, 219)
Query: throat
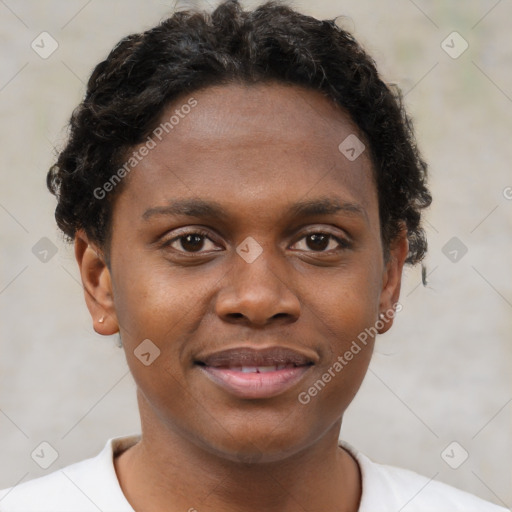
(335, 485)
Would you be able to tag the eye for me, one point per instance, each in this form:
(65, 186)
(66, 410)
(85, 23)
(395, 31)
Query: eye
(194, 241)
(322, 242)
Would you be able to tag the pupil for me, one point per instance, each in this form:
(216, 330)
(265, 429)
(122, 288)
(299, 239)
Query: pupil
(319, 241)
(192, 242)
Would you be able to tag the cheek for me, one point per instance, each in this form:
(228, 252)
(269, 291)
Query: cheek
(346, 301)
(344, 312)
(343, 366)
(156, 319)
(159, 310)
(154, 301)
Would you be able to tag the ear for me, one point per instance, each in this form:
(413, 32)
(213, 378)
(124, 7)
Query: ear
(97, 285)
(392, 280)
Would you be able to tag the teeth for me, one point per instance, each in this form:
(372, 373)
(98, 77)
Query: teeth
(263, 369)
(260, 369)
(249, 369)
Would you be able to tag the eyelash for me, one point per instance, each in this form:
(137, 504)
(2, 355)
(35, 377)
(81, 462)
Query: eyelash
(344, 244)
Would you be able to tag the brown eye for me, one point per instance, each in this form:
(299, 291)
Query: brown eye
(321, 242)
(317, 241)
(192, 243)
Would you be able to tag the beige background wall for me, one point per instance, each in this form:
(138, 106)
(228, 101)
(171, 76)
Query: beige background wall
(442, 374)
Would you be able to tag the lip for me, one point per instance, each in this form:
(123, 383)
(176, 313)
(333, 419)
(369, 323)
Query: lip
(224, 368)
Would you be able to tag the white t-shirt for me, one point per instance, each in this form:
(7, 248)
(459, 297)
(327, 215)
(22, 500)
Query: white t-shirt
(92, 485)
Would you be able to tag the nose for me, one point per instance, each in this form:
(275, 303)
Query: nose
(257, 294)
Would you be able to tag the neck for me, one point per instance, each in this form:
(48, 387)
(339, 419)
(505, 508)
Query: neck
(166, 468)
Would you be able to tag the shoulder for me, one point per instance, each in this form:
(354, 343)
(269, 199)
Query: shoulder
(390, 488)
(89, 485)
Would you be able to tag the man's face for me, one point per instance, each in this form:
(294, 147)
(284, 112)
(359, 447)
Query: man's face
(255, 257)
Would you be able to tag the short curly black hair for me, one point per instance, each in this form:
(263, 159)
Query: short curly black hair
(128, 91)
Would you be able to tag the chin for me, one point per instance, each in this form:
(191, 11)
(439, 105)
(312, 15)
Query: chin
(263, 444)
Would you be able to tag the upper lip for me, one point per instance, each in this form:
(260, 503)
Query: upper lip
(247, 356)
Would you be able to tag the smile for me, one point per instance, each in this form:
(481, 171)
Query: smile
(250, 373)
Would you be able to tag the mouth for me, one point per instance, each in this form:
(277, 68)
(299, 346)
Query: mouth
(256, 373)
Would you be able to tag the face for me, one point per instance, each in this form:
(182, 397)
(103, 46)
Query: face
(247, 248)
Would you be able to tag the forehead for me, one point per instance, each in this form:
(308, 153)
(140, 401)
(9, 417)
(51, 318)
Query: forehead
(252, 143)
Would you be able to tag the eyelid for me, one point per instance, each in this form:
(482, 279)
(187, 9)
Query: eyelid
(334, 231)
(182, 232)
(344, 242)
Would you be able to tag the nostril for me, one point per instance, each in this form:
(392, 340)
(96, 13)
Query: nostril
(236, 315)
(281, 315)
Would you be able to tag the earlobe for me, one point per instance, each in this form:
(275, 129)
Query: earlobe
(392, 280)
(96, 281)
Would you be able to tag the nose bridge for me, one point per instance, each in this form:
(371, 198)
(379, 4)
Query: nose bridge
(255, 288)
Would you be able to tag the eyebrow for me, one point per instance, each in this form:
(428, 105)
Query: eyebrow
(326, 206)
(200, 208)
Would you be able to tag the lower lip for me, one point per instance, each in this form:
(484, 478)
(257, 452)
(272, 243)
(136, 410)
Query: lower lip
(255, 385)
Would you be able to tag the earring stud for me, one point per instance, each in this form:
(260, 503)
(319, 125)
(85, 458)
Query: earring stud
(101, 320)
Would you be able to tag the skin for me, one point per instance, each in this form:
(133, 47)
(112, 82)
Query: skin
(201, 446)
